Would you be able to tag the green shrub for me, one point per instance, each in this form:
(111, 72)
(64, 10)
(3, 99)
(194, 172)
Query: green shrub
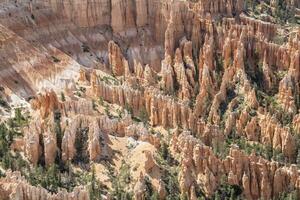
(55, 59)
(3, 103)
(120, 183)
(228, 192)
(95, 188)
(62, 97)
(81, 146)
(143, 115)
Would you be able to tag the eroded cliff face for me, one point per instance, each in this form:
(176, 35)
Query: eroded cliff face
(16, 187)
(175, 97)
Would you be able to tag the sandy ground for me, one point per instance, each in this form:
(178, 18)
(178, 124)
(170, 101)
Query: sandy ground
(133, 153)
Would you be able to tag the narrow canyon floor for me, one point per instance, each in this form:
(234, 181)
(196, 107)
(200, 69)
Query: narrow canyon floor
(149, 99)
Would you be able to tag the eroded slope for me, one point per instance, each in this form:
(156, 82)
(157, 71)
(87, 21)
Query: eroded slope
(149, 100)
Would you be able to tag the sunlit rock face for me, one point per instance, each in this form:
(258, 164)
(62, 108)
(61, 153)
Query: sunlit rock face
(194, 95)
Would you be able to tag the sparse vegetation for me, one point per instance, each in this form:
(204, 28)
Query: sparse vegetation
(169, 172)
(7, 159)
(128, 108)
(281, 11)
(192, 106)
(221, 148)
(120, 183)
(52, 178)
(55, 59)
(94, 104)
(62, 97)
(274, 108)
(95, 187)
(58, 131)
(81, 146)
(85, 48)
(110, 80)
(228, 192)
(3, 103)
(150, 193)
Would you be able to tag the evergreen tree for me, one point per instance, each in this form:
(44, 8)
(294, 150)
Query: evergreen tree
(154, 196)
(94, 190)
(62, 96)
(18, 115)
(232, 195)
(164, 152)
(150, 193)
(143, 115)
(184, 196)
(217, 196)
(52, 179)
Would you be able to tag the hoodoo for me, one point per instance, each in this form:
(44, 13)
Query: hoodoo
(149, 99)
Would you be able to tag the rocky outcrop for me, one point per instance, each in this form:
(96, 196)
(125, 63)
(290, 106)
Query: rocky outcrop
(285, 95)
(167, 74)
(252, 172)
(14, 186)
(27, 74)
(94, 143)
(203, 67)
(46, 103)
(116, 59)
(217, 7)
(119, 14)
(97, 144)
(50, 147)
(32, 143)
(139, 188)
(150, 163)
(265, 29)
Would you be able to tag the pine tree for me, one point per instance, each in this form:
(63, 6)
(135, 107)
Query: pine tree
(217, 196)
(184, 196)
(95, 193)
(154, 196)
(18, 116)
(53, 179)
(164, 151)
(143, 115)
(232, 196)
(63, 98)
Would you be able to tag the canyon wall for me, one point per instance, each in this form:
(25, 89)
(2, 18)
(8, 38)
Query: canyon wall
(204, 72)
